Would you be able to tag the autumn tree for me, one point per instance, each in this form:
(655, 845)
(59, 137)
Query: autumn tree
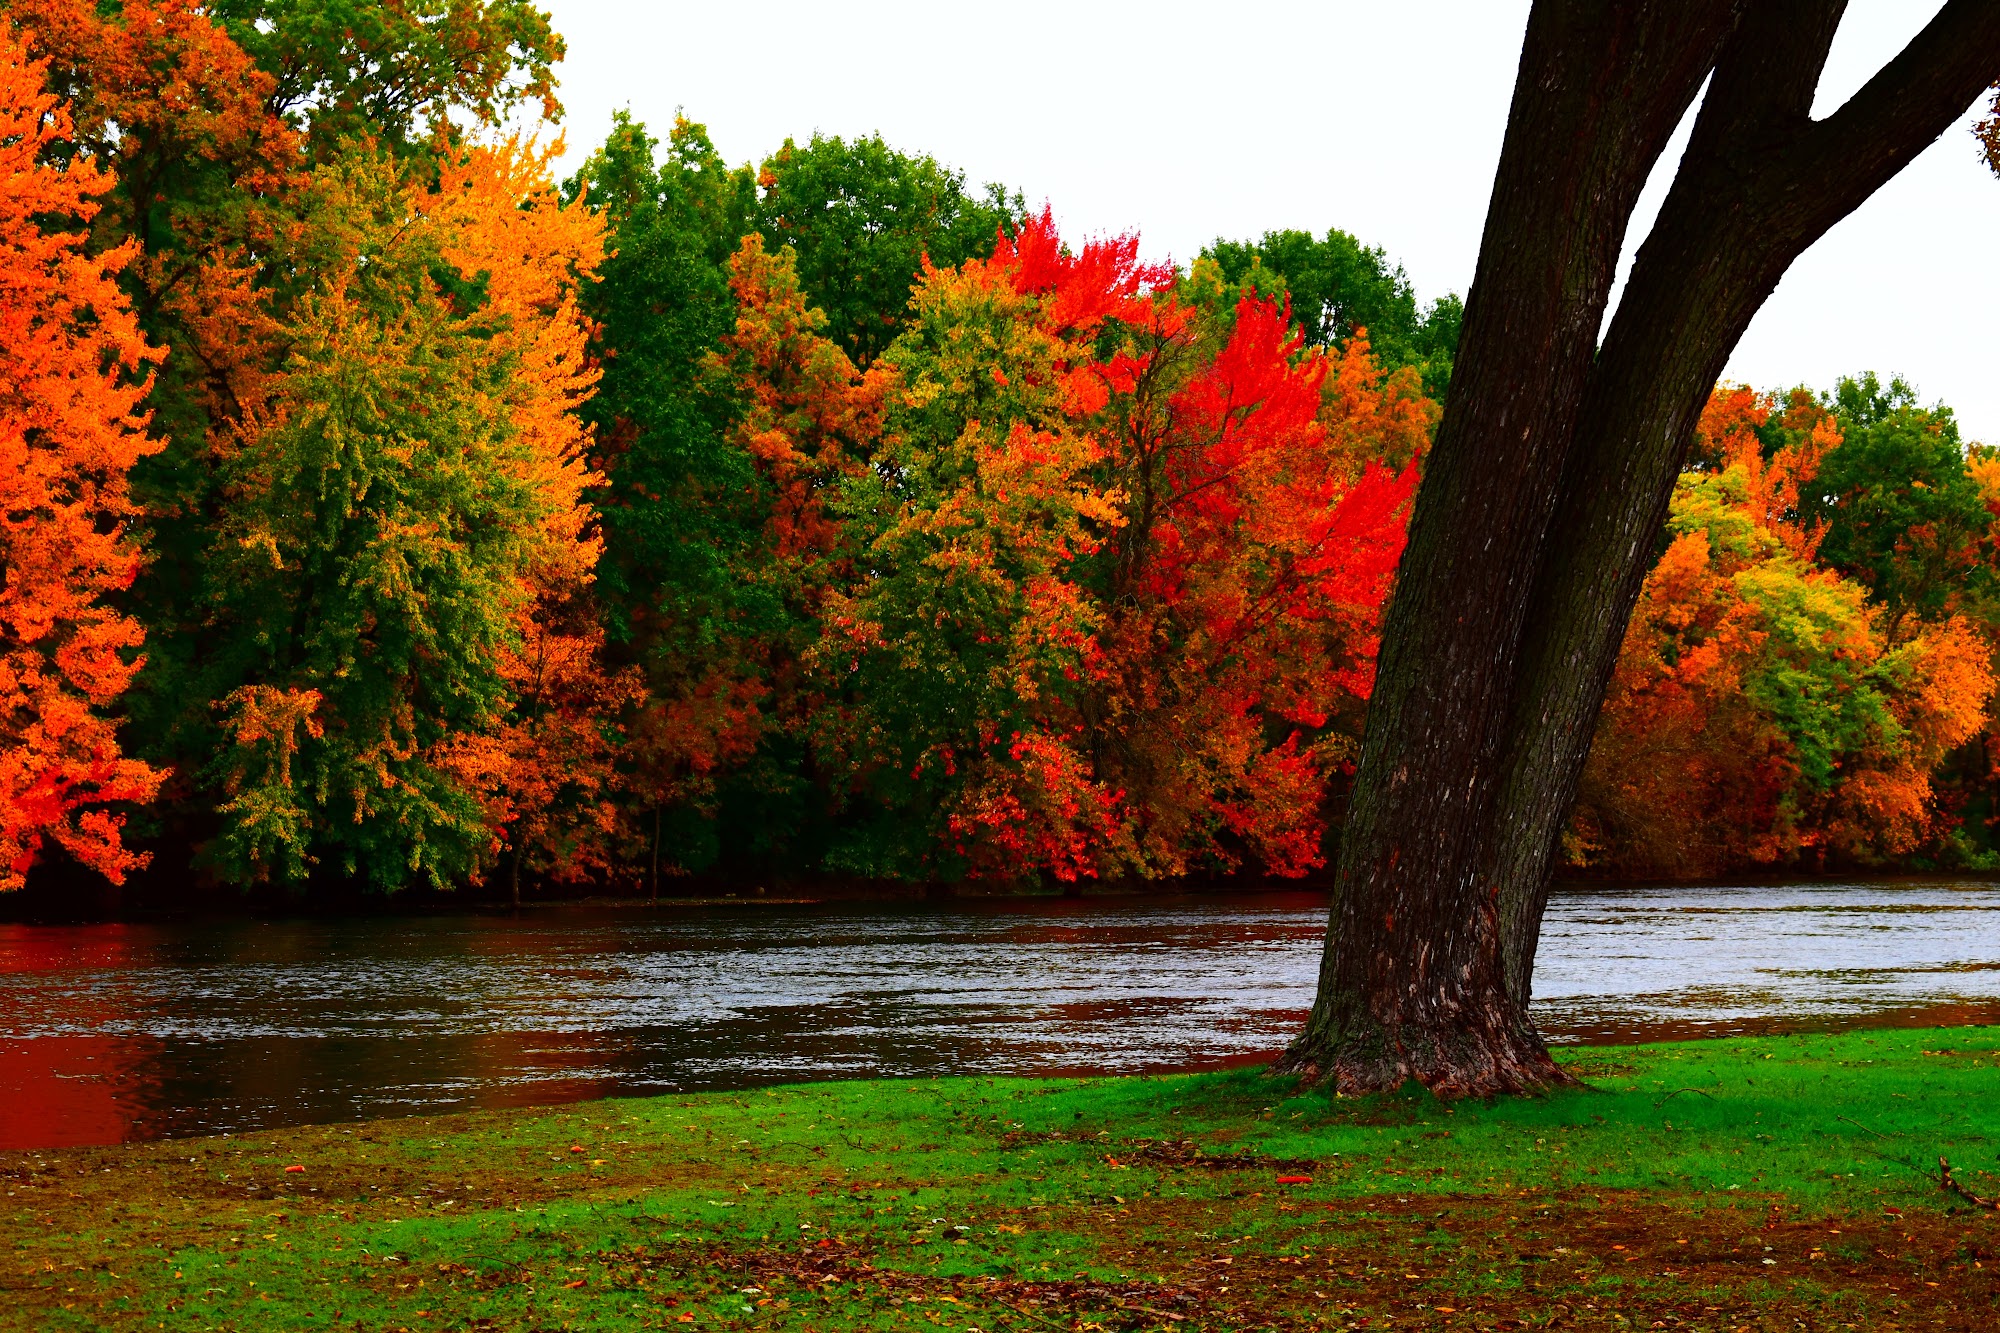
(1119, 559)
(203, 165)
(547, 771)
(209, 141)
(960, 656)
(1552, 471)
(396, 522)
(1765, 709)
(74, 371)
(553, 804)
(806, 420)
(1266, 490)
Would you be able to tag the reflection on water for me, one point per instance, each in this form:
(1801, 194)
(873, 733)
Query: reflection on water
(111, 1032)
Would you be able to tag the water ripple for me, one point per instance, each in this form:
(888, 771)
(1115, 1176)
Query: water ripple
(117, 1031)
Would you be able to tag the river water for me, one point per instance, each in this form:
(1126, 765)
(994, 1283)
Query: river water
(125, 1031)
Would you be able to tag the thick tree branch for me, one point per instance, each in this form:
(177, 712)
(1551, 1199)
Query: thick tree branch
(1902, 110)
(1766, 76)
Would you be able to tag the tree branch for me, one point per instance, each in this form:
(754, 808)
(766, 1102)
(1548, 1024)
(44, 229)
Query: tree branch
(1901, 111)
(1765, 77)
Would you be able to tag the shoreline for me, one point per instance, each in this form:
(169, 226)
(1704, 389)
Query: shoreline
(43, 907)
(1713, 1183)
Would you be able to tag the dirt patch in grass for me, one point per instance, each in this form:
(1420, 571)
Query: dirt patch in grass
(1616, 1263)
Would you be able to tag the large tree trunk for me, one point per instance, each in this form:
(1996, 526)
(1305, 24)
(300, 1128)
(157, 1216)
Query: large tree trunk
(1411, 984)
(1550, 476)
(1761, 182)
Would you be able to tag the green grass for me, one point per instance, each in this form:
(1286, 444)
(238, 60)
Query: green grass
(1778, 1182)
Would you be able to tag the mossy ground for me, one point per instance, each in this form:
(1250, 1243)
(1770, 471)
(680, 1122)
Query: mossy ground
(1777, 1183)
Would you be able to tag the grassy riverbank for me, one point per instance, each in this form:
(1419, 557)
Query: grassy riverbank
(1762, 1184)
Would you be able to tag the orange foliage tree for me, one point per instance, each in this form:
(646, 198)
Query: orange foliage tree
(550, 799)
(73, 368)
(205, 168)
(1760, 713)
(186, 118)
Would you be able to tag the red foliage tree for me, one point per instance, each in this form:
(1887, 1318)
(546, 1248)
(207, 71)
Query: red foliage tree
(1120, 563)
(1262, 535)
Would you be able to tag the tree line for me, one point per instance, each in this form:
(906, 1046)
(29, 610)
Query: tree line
(386, 510)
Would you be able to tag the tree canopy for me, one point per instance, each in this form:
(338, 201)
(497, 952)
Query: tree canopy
(1337, 285)
(387, 514)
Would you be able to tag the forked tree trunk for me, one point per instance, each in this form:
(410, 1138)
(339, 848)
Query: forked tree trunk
(1760, 183)
(1550, 476)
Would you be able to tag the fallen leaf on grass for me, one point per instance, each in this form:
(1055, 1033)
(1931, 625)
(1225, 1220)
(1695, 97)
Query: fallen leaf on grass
(1295, 1180)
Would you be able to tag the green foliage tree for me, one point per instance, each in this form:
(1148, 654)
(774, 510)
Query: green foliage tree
(386, 527)
(396, 73)
(683, 505)
(1338, 285)
(695, 578)
(679, 503)
(1902, 514)
(862, 219)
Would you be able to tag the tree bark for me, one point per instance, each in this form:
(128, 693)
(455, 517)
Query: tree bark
(1411, 983)
(1550, 476)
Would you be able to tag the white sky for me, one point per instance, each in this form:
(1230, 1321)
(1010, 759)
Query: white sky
(1188, 121)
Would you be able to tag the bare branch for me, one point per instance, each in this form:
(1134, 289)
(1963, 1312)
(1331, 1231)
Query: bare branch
(1900, 112)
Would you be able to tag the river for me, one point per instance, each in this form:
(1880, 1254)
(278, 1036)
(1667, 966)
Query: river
(114, 1032)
